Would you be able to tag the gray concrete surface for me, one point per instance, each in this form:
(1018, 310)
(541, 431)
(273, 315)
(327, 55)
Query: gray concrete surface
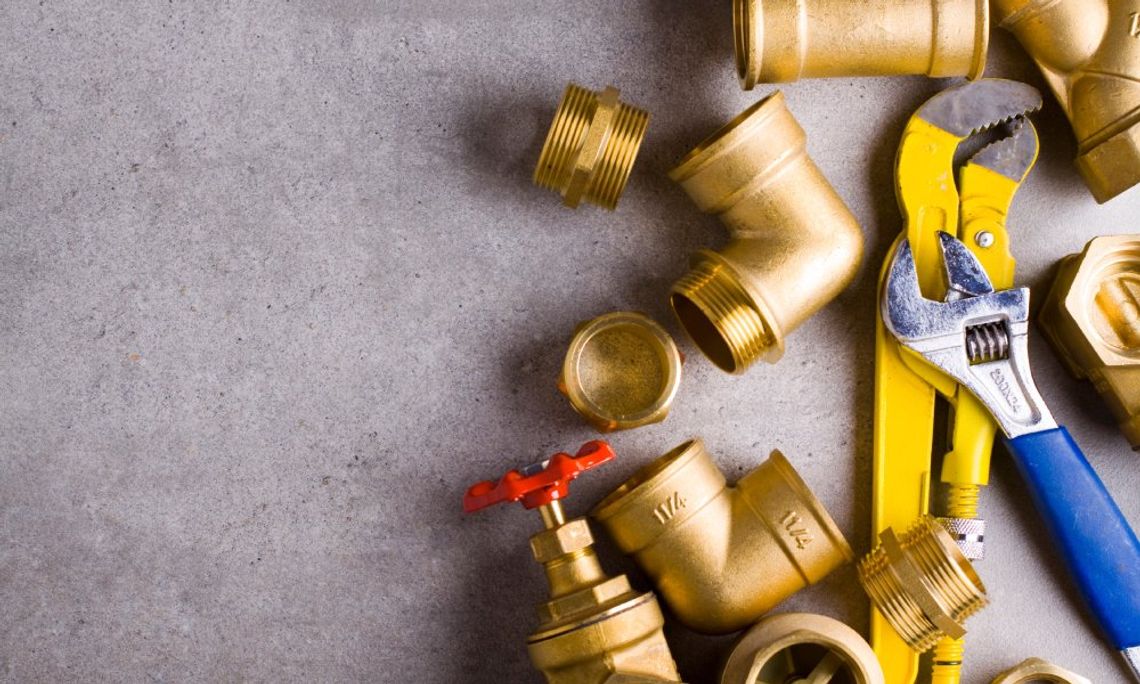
(276, 288)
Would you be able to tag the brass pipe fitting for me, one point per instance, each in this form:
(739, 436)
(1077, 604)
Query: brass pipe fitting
(801, 647)
(621, 371)
(590, 149)
(922, 584)
(795, 244)
(1035, 670)
(785, 40)
(722, 556)
(1092, 318)
(1089, 52)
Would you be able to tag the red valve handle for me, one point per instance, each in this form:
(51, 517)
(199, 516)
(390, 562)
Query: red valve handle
(539, 484)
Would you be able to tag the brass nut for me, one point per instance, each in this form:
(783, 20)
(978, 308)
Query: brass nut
(559, 541)
(795, 244)
(590, 149)
(1092, 318)
(621, 371)
(785, 40)
(795, 646)
(922, 584)
(722, 556)
(1034, 670)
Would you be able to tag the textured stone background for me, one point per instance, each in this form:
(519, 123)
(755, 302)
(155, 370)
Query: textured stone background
(276, 288)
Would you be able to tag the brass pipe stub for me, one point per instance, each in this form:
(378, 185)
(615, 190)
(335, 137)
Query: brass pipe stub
(801, 647)
(590, 149)
(621, 371)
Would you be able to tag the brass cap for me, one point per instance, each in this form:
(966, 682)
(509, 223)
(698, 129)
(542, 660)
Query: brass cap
(1038, 670)
(793, 646)
(622, 371)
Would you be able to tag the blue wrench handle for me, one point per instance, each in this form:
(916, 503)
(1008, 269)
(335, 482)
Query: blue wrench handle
(1099, 547)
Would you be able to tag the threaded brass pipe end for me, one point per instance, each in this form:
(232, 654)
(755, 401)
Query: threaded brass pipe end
(922, 584)
(590, 149)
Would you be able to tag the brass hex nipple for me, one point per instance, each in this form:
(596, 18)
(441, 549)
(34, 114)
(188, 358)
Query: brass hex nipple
(799, 648)
(922, 584)
(590, 149)
(722, 556)
(785, 40)
(795, 244)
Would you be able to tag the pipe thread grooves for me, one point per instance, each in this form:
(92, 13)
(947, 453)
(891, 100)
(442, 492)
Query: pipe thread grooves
(962, 500)
(733, 313)
(956, 593)
(607, 171)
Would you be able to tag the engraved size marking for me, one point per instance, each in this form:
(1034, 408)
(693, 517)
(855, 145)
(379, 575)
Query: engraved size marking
(791, 522)
(1134, 29)
(1006, 389)
(668, 508)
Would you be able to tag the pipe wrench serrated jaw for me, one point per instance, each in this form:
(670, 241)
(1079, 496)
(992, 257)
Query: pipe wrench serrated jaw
(977, 336)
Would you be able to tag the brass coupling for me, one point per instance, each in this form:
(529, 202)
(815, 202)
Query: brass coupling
(1092, 318)
(1036, 670)
(722, 556)
(786, 40)
(795, 245)
(801, 647)
(591, 146)
(1089, 52)
(922, 584)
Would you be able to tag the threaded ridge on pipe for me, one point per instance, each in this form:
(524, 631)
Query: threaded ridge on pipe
(720, 316)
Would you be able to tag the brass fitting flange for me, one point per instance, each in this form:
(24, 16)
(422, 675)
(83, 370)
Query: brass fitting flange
(622, 371)
(795, 244)
(801, 647)
(1089, 52)
(590, 149)
(1034, 670)
(722, 556)
(785, 40)
(1092, 318)
(922, 584)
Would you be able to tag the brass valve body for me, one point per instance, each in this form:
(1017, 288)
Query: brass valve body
(1089, 52)
(621, 371)
(1036, 670)
(785, 40)
(722, 556)
(922, 584)
(1092, 318)
(590, 149)
(795, 244)
(801, 647)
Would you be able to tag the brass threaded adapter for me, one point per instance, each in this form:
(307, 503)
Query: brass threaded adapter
(590, 149)
(922, 584)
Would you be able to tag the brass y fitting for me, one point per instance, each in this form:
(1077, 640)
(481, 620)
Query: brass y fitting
(1036, 670)
(801, 647)
(795, 244)
(1092, 318)
(590, 149)
(922, 584)
(1089, 52)
(722, 556)
(785, 40)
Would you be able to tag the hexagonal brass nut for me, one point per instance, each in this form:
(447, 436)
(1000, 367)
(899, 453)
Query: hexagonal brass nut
(559, 541)
(1038, 670)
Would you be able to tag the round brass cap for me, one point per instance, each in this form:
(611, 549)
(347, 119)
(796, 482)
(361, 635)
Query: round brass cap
(622, 371)
(801, 647)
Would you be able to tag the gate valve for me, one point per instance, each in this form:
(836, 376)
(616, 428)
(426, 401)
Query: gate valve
(540, 484)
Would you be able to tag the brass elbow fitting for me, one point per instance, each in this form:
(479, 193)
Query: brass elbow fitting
(1036, 670)
(591, 146)
(795, 244)
(1089, 52)
(801, 647)
(722, 556)
(785, 40)
(1092, 318)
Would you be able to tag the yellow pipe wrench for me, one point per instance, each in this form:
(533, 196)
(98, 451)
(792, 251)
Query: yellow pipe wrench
(930, 202)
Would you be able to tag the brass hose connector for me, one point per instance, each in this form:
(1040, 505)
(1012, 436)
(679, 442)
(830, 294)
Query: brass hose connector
(1092, 318)
(1089, 52)
(621, 371)
(801, 647)
(1034, 670)
(785, 40)
(922, 584)
(795, 244)
(590, 149)
(722, 556)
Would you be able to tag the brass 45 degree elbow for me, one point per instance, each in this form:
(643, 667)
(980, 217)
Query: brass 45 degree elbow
(795, 244)
(1089, 52)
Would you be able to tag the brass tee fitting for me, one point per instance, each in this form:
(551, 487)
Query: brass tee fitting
(590, 149)
(785, 40)
(1035, 671)
(1092, 318)
(722, 556)
(1089, 52)
(801, 647)
(795, 244)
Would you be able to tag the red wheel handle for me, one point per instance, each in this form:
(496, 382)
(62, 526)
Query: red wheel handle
(538, 484)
